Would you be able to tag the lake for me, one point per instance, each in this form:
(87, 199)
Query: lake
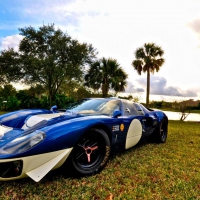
(177, 115)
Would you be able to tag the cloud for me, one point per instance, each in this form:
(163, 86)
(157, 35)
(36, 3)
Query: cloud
(10, 42)
(158, 86)
(195, 25)
(67, 15)
(60, 12)
(131, 88)
(25, 13)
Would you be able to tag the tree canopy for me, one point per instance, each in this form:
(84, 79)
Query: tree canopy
(10, 66)
(106, 74)
(50, 57)
(148, 59)
(46, 56)
(6, 91)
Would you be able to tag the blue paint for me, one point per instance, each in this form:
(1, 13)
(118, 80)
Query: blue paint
(64, 131)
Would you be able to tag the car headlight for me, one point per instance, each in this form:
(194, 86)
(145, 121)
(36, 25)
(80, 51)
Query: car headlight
(24, 143)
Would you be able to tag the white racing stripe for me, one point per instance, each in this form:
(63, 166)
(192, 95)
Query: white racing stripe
(4, 129)
(33, 120)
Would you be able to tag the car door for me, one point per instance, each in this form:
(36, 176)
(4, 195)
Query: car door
(149, 121)
(132, 123)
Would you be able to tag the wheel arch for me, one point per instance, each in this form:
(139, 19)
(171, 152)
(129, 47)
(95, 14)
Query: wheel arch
(104, 128)
(159, 122)
(165, 118)
(102, 137)
(158, 135)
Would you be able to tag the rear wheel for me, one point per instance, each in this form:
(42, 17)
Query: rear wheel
(162, 130)
(91, 152)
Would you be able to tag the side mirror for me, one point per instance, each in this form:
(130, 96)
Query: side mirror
(117, 113)
(54, 109)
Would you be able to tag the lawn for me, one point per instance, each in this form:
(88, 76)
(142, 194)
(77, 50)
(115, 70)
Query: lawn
(147, 171)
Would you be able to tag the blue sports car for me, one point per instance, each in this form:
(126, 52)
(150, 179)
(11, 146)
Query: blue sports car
(36, 141)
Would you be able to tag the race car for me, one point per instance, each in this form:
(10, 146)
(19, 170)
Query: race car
(36, 141)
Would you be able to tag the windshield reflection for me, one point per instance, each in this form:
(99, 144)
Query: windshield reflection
(94, 106)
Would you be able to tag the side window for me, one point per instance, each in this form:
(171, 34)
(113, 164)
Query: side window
(109, 107)
(113, 105)
(129, 109)
(139, 109)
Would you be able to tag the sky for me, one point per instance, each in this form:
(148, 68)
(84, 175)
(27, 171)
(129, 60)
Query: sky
(116, 28)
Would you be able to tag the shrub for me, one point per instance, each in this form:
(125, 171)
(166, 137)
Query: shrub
(11, 104)
(62, 100)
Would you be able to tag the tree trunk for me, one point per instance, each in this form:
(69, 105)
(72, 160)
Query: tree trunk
(50, 97)
(50, 101)
(148, 87)
(105, 90)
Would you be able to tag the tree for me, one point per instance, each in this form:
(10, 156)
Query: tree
(48, 57)
(75, 90)
(27, 100)
(36, 90)
(8, 101)
(182, 107)
(7, 91)
(106, 74)
(148, 59)
(10, 68)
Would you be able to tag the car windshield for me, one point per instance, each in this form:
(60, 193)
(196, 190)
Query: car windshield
(95, 106)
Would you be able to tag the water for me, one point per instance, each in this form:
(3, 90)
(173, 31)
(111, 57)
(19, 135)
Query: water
(177, 115)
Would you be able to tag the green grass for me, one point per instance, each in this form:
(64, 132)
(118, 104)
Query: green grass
(147, 171)
(195, 111)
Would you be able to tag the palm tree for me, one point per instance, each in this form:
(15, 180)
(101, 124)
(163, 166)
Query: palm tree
(106, 74)
(148, 59)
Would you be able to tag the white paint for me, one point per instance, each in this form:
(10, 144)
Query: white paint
(38, 173)
(37, 166)
(4, 129)
(134, 133)
(38, 118)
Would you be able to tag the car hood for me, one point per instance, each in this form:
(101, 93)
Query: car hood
(33, 123)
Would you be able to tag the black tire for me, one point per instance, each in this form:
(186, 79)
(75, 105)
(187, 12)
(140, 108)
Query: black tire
(91, 153)
(162, 131)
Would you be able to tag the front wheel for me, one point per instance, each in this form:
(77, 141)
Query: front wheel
(91, 153)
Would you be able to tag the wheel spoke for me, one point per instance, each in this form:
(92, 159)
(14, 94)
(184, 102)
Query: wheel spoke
(94, 148)
(80, 145)
(79, 155)
(94, 144)
(89, 151)
(88, 156)
(91, 144)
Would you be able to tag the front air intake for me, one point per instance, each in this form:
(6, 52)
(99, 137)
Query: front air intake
(11, 169)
